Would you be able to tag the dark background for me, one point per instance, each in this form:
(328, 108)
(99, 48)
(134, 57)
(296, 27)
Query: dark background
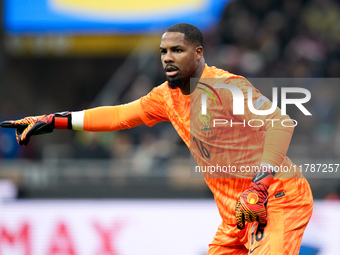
(274, 39)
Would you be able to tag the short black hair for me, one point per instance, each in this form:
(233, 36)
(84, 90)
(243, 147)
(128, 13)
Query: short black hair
(191, 33)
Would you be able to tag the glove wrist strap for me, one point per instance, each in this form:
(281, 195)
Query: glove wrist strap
(264, 176)
(63, 120)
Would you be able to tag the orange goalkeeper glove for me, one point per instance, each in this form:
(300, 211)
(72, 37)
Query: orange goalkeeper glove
(252, 203)
(29, 126)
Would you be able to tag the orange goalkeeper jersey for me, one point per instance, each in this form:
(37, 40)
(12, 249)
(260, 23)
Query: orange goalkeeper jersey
(217, 138)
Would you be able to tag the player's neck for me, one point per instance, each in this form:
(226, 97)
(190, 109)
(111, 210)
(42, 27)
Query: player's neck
(187, 89)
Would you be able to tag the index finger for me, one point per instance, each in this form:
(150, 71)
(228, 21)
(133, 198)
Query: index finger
(11, 124)
(240, 223)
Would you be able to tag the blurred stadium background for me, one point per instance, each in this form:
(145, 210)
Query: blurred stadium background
(59, 55)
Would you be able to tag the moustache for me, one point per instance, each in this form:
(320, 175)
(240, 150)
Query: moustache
(169, 68)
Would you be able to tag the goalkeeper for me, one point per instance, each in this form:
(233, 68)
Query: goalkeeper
(262, 213)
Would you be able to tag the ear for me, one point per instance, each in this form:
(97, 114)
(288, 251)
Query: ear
(199, 52)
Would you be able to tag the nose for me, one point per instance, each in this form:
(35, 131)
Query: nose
(168, 57)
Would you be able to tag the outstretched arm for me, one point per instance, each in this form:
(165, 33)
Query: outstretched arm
(108, 118)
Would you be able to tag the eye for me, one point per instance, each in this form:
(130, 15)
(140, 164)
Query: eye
(178, 50)
(163, 51)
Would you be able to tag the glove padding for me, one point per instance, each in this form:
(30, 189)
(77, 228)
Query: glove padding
(252, 203)
(37, 125)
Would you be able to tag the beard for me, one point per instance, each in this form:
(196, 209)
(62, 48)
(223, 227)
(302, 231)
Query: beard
(175, 82)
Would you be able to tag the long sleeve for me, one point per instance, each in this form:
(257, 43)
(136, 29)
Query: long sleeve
(277, 139)
(147, 110)
(108, 118)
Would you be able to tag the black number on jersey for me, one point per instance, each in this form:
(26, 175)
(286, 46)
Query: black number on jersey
(203, 150)
(258, 235)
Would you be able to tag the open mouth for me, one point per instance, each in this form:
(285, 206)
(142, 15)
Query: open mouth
(171, 70)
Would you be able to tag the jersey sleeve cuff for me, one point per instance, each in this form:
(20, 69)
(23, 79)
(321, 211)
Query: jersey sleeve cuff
(78, 120)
